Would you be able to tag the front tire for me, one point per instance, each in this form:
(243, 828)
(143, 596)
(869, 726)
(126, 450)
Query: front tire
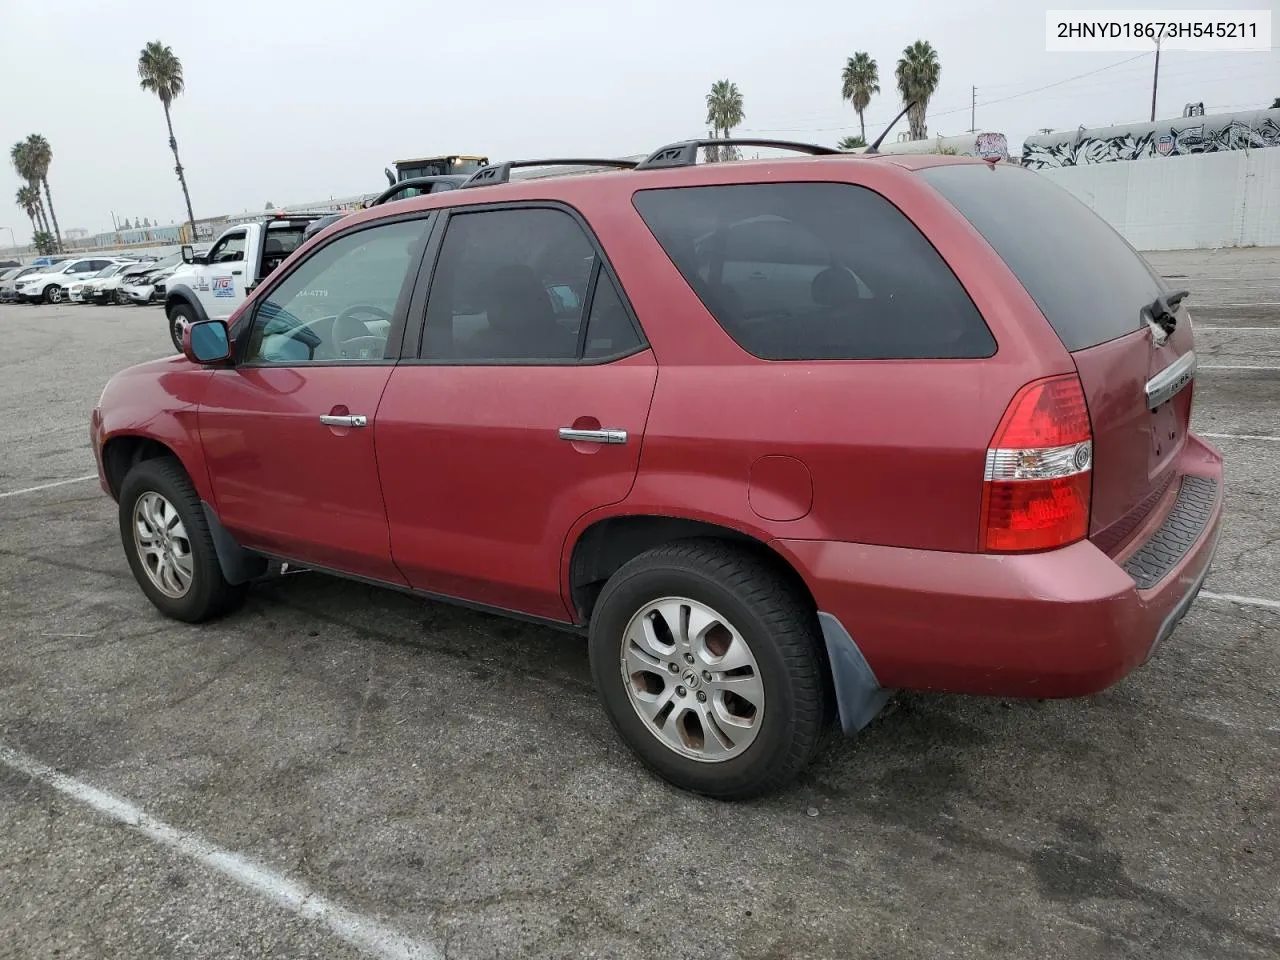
(53, 293)
(708, 665)
(180, 316)
(169, 545)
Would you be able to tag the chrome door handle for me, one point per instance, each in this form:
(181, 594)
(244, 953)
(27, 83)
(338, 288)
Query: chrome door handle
(353, 421)
(593, 436)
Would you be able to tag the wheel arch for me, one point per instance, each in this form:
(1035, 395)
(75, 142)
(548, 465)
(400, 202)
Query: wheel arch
(595, 551)
(122, 452)
(182, 295)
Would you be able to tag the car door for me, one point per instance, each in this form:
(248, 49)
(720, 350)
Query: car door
(220, 281)
(288, 430)
(522, 412)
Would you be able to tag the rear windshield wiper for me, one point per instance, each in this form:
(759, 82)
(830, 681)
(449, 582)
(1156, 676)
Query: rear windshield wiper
(1163, 309)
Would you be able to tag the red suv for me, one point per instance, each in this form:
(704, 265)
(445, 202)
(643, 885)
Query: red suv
(780, 436)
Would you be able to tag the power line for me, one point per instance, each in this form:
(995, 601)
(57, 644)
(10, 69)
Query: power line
(936, 114)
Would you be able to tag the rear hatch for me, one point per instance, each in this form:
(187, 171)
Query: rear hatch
(1099, 295)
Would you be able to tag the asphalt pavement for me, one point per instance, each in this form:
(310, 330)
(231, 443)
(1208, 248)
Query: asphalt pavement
(340, 771)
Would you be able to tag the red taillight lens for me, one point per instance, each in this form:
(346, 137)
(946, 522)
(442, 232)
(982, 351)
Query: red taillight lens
(1039, 470)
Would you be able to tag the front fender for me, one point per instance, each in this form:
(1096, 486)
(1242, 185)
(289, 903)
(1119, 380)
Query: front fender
(158, 401)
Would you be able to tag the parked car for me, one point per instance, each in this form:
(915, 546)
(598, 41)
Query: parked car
(9, 281)
(778, 436)
(51, 284)
(109, 288)
(83, 291)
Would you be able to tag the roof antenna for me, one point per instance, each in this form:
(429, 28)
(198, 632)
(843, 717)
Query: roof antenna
(875, 147)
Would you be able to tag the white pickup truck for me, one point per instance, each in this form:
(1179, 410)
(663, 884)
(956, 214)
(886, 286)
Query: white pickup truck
(211, 286)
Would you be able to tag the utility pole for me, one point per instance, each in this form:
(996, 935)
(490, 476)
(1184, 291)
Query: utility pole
(973, 111)
(1155, 81)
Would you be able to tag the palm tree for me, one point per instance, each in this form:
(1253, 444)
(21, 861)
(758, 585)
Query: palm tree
(160, 72)
(724, 112)
(860, 80)
(20, 154)
(850, 143)
(29, 200)
(917, 75)
(41, 158)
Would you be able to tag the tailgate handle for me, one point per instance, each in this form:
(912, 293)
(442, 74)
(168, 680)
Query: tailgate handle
(1166, 384)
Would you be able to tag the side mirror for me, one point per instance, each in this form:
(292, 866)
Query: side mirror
(188, 253)
(206, 342)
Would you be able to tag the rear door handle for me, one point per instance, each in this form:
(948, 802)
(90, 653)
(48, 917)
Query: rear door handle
(593, 436)
(237, 272)
(329, 420)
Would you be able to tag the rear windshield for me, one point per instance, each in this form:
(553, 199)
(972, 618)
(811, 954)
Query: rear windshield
(1087, 280)
(815, 271)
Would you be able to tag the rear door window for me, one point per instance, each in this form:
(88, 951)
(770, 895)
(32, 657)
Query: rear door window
(512, 285)
(1087, 280)
(815, 271)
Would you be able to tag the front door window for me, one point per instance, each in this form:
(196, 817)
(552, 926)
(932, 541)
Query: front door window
(339, 303)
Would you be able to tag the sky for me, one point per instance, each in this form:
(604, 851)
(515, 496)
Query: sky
(294, 101)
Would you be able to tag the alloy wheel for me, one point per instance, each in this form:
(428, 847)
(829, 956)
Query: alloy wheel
(692, 679)
(163, 546)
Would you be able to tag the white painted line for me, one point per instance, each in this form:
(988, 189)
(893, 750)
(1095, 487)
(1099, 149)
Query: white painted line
(1201, 329)
(368, 935)
(48, 486)
(1243, 601)
(1238, 436)
(1232, 366)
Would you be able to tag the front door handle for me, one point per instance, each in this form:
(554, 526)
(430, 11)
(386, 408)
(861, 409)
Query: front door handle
(593, 436)
(237, 272)
(329, 420)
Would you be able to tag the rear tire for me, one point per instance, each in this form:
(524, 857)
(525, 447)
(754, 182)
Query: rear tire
(169, 545)
(737, 624)
(180, 316)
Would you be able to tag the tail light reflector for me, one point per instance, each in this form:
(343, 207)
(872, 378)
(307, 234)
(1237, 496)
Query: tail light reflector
(1039, 480)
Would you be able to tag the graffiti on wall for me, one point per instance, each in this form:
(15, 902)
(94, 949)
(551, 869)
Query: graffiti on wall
(1141, 141)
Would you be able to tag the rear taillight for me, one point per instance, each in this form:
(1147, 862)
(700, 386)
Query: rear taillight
(1038, 471)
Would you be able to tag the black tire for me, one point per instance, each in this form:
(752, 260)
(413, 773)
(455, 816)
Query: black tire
(209, 595)
(779, 626)
(53, 294)
(179, 314)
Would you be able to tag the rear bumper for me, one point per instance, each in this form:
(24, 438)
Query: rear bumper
(1062, 623)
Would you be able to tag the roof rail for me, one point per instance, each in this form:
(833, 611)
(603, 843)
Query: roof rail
(685, 153)
(501, 172)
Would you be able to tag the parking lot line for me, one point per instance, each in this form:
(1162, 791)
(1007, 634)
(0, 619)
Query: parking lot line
(1238, 436)
(360, 932)
(48, 486)
(1202, 329)
(1243, 601)
(1233, 366)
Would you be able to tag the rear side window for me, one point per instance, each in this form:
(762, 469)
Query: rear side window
(1087, 280)
(815, 271)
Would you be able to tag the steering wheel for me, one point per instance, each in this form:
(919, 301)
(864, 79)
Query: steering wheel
(347, 327)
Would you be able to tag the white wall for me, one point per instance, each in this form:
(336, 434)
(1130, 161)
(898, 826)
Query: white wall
(1227, 199)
